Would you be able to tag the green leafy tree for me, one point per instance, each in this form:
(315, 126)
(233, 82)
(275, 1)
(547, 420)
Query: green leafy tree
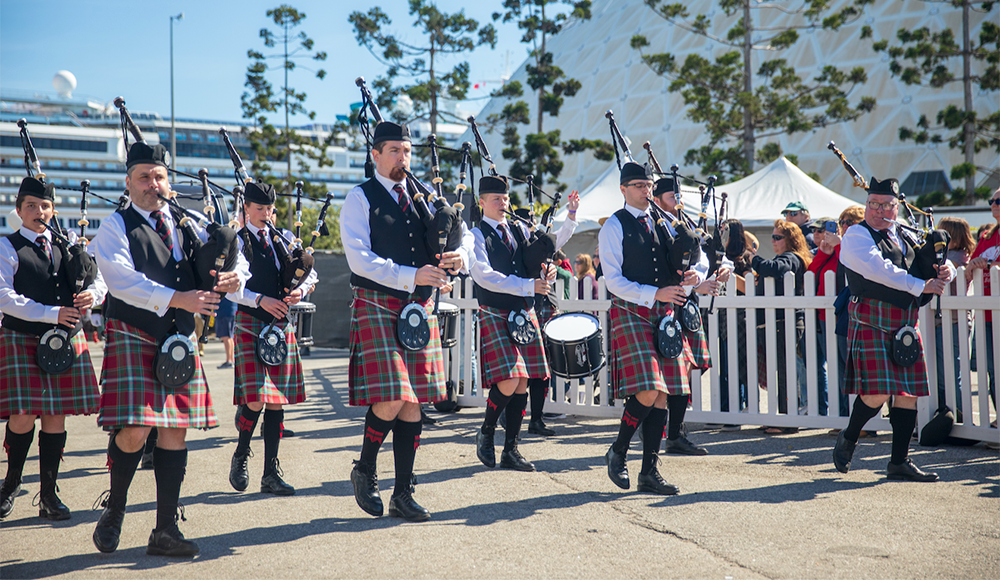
(269, 143)
(739, 106)
(539, 154)
(925, 57)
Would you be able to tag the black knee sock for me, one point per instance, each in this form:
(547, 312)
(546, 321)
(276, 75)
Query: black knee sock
(375, 431)
(154, 434)
(246, 424)
(17, 446)
(537, 388)
(515, 416)
(634, 413)
(495, 405)
(652, 436)
(50, 450)
(122, 466)
(903, 421)
(271, 432)
(168, 467)
(676, 409)
(860, 415)
(405, 440)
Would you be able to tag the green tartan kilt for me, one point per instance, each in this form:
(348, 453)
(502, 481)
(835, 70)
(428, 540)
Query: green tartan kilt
(870, 369)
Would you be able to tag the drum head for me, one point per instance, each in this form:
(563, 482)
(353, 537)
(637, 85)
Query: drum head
(448, 309)
(519, 327)
(906, 347)
(574, 345)
(174, 362)
(412, 329)
(272, 349)
(571, 326)
(55, 352)
(690, 316)
(669, 337)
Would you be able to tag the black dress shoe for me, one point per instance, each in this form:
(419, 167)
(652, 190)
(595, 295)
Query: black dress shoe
(617, 469)
(513, 460)
(403, 506)
(7, 495)
(50, 507)
(653, 482)
(147, 460)
(109, 529)
(681, 446)
(907, 471)
(170, 542)
(843, 451)
(539, 428)
(485, 450)
(365, 483)
(286, 433)
(272, 482)
(239, 478)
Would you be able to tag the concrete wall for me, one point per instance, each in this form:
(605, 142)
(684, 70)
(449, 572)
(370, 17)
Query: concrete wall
(332, 321)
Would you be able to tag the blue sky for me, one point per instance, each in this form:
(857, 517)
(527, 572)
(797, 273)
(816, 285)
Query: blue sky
(124, 49)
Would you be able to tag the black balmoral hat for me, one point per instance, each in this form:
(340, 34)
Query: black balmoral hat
(493, 184)
(260, 192)
(389, 131)
(33, 187)
(885, 187)
(663, 185)
(632, 171)
(141, 153)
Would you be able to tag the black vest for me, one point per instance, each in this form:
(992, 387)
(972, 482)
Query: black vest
(900, 257)
(643, 258)
(40, 279)
(152, 258)
(265, 277)
(394, 236)
(507, 264)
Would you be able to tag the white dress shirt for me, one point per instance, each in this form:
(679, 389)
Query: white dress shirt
(248, 297)
(859, 252)
(494, 280)
(610, 243)
(355, 235)
(21, 306)
(132, 287)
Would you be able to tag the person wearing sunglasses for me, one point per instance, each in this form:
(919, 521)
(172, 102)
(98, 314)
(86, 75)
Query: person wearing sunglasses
(885, 301)
(986, 257)
(797, 213)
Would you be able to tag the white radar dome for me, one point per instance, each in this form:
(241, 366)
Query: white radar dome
(64, 83)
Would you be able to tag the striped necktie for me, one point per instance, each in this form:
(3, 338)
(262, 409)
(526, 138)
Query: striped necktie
(644, 220)
(502, 230)
(268, 250)
(43, 243)
(402, 198)
(162, 229)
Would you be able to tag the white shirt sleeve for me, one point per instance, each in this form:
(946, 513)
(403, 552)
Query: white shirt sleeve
(859, 253)
(15, 304)
(355, 235)
(565, 233)
(610, 244)
(493, 280)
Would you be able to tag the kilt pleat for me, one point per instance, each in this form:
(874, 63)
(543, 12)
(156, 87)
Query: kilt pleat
(698, 341)
(25, 389)
(258, 382)
(380, 369)
(131, 395)
(500, 357)
(870, 369)
(636, 365)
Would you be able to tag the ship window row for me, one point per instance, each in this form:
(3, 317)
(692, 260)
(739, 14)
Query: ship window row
(56, 143)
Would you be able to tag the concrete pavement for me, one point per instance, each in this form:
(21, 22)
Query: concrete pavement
(757, 507)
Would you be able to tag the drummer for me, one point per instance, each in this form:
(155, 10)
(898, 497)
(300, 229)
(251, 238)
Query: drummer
(506, 294)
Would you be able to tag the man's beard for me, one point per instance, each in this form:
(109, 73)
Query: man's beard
(397, 174)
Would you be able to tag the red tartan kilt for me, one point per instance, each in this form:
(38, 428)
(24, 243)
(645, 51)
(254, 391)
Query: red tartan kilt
(257, 382)
(380, 369)
(698, 341)
(870, 369)
(500, 358)
(131, 395)
(26, 389)
(636, 365)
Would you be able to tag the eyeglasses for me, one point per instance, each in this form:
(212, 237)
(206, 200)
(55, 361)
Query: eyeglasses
(995, 201)
(790, 213)
(777, 238)
(844, 222)
(888, 206)
(641, 185)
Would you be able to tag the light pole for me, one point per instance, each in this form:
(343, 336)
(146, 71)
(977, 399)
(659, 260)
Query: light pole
(173, 130)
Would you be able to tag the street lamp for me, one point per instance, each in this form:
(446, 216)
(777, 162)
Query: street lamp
(173, 130)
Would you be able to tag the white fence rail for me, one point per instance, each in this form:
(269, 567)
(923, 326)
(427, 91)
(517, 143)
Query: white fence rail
(594, 396)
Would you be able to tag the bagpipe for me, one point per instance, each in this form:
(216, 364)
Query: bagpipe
(679, 251)
(930, 245)
(55, 353)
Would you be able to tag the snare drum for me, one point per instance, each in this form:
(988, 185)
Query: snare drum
(448, 323)
(574, 345)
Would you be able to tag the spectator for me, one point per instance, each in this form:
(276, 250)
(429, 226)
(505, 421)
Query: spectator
(849, 217)
(225, 325)
(960, 250)
(597, 263)
(986, 256)
(586, 277)
(564, 272)
(792, 256)
(797, 213)
(740, 251)
(827, 237)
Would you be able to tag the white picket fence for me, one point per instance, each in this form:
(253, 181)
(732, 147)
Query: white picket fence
(590, 397)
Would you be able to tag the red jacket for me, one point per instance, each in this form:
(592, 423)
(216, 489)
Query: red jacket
(822, 264)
